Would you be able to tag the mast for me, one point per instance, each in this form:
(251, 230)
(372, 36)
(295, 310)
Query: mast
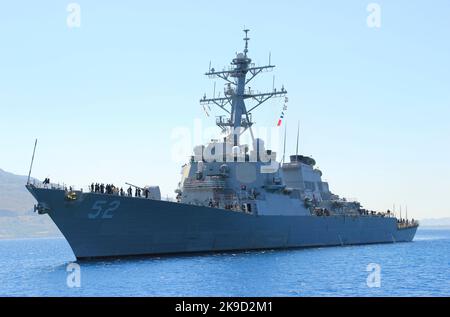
(284, 143)
(233, 103)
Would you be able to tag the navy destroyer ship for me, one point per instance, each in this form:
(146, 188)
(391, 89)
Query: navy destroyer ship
(231, 196)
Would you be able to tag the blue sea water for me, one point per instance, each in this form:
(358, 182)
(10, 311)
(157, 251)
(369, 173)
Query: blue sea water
(38, 267)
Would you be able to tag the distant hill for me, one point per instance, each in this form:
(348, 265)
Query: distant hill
(17, 219)
(13, 194)
(435, 222)
(7, 213)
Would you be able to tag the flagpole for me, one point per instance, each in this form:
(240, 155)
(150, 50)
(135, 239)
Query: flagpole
(32, 159)
(284, 142)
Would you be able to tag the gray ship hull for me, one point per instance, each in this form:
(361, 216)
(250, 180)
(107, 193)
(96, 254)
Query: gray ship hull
(98, 225)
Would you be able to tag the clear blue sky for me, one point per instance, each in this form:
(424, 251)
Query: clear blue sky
(103, 99)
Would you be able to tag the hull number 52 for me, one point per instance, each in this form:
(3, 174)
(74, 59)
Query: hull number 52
(104, 210)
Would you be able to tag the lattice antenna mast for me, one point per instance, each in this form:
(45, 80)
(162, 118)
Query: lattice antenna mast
(239, 119)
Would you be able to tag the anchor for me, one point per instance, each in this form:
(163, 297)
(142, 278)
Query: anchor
(41, 208)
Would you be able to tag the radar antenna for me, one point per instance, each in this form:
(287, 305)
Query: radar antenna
(239, 119)
(246, 39)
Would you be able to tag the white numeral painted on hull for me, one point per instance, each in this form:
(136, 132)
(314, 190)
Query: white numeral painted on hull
(104, 210)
